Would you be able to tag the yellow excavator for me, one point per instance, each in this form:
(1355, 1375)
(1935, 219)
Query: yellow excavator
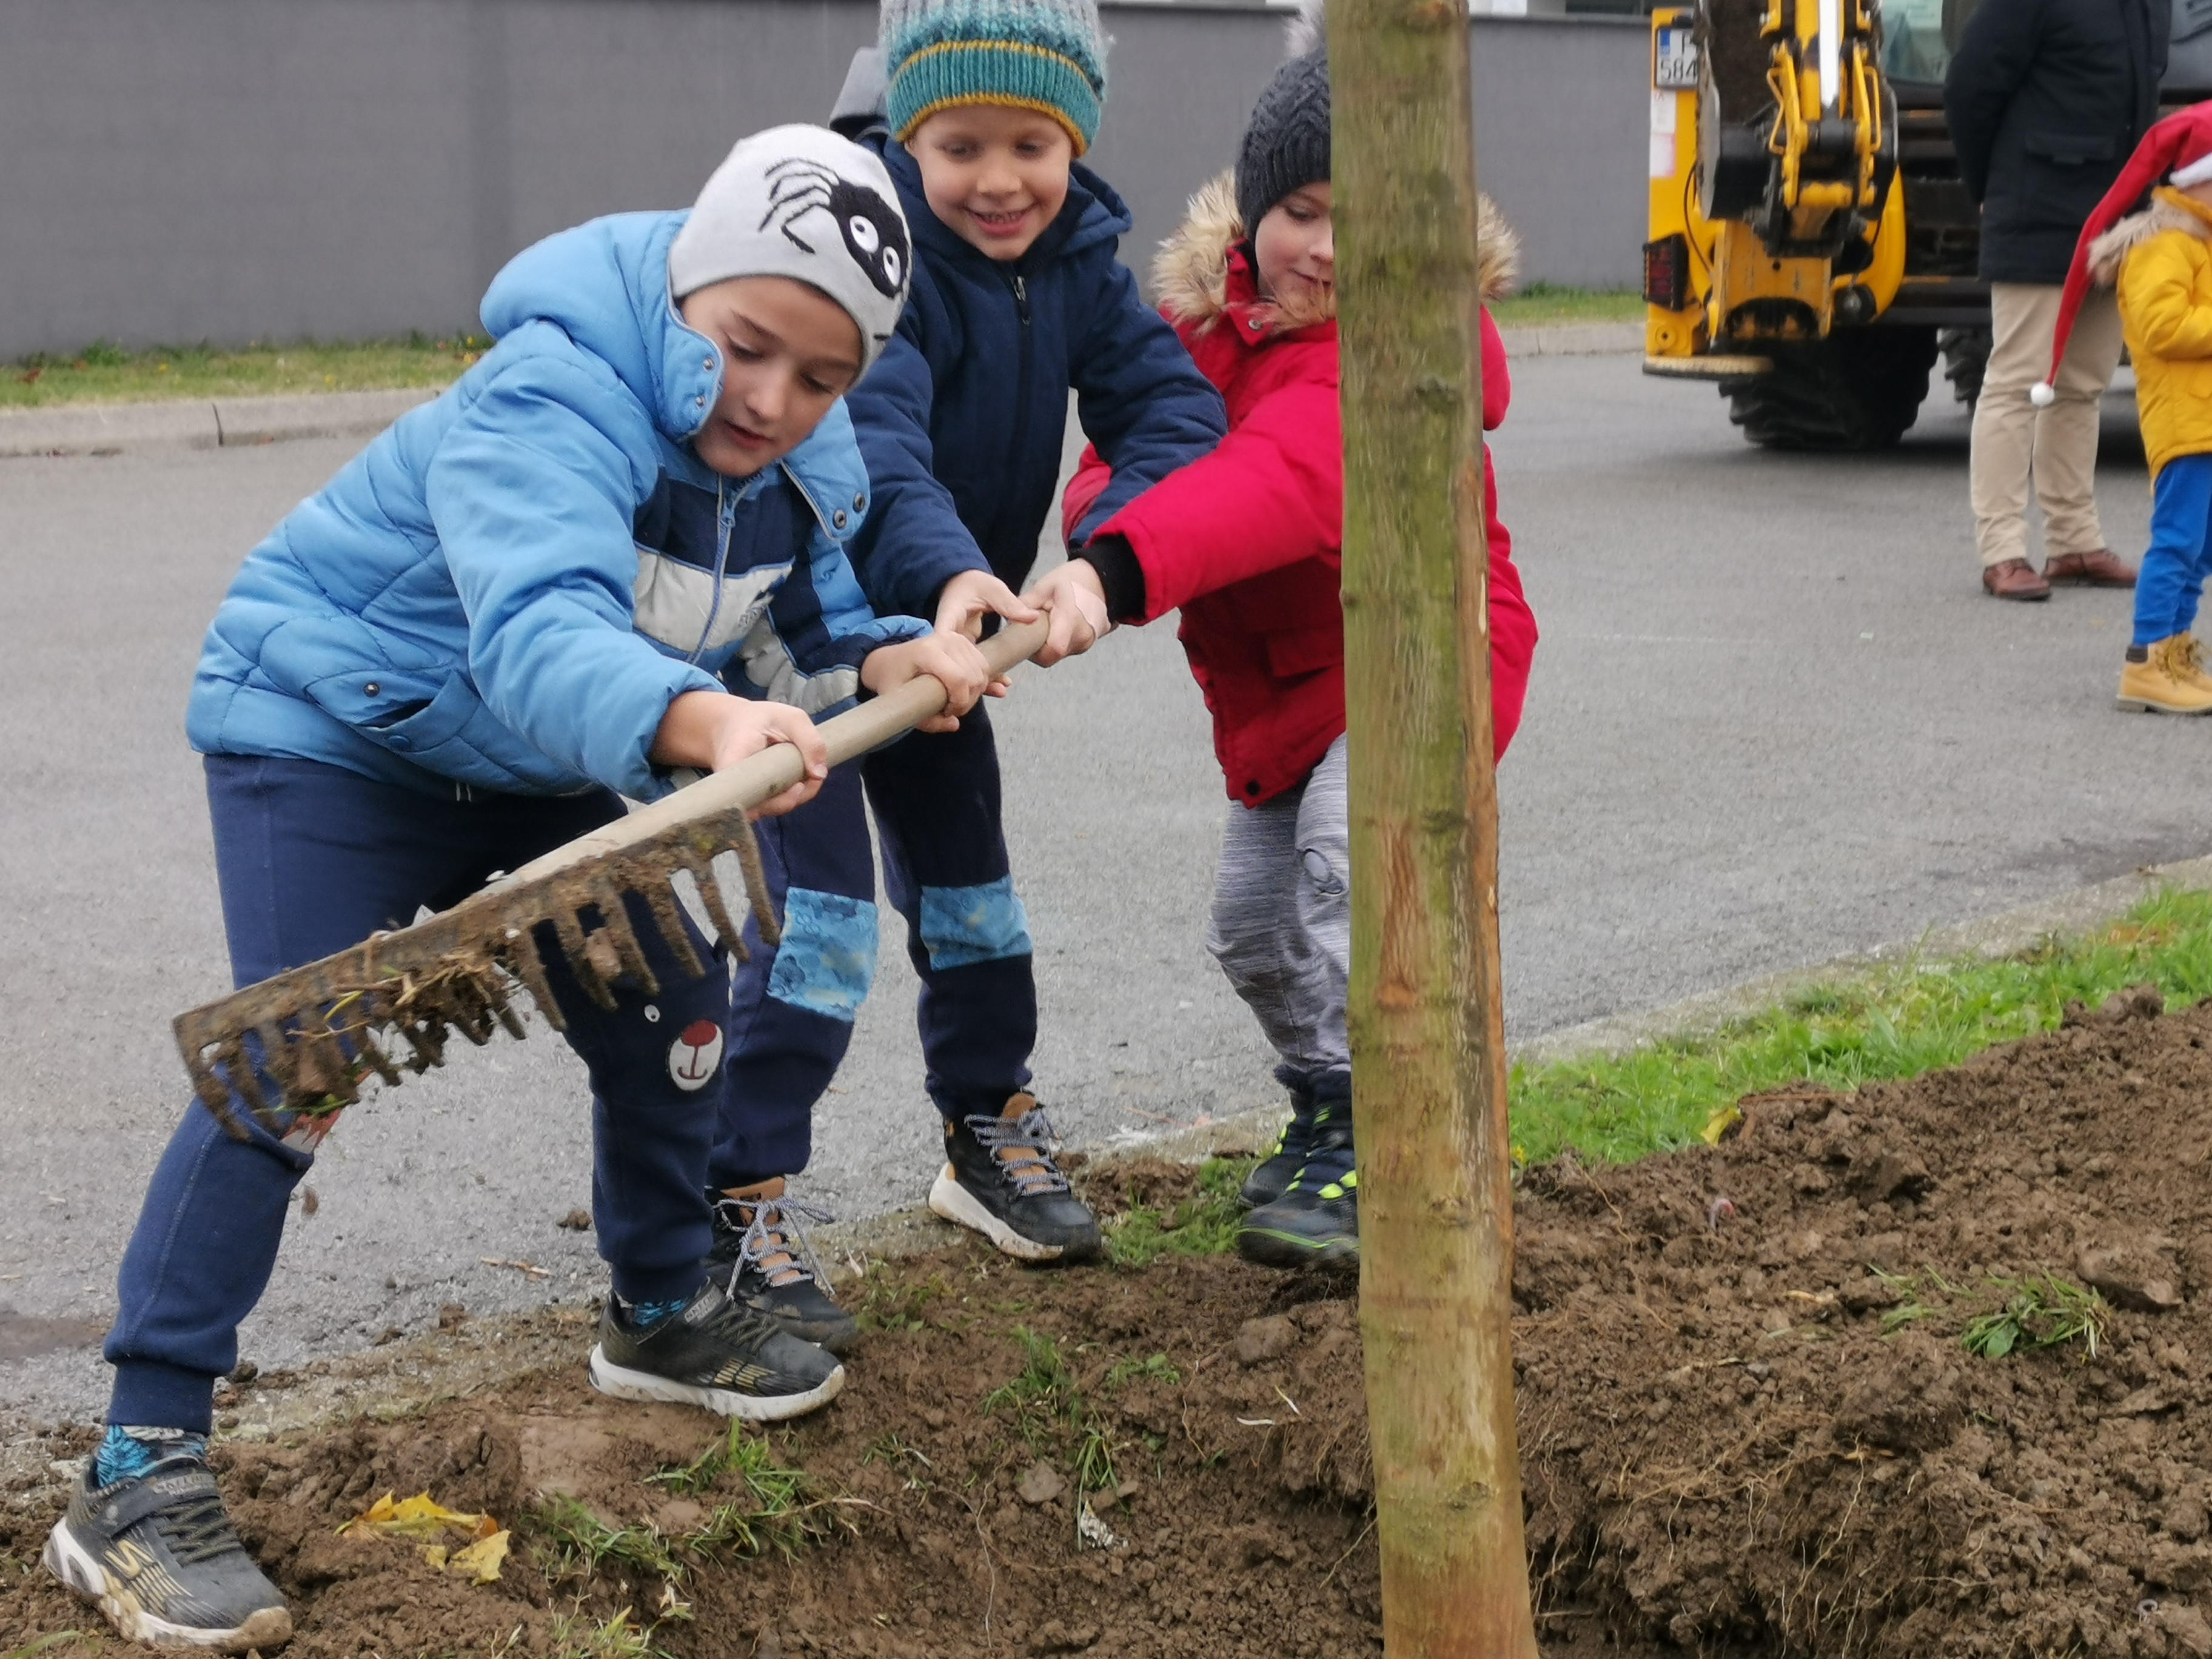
(1812, 246)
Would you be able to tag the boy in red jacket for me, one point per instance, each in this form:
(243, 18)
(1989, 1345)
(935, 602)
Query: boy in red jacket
(1246, 544)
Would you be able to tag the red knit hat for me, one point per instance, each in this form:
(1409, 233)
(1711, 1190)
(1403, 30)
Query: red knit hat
(2180, 144)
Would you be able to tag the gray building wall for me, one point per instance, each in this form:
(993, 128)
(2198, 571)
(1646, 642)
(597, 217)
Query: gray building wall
(227, 170)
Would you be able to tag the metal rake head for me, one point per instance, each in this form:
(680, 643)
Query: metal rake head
(317, 1032)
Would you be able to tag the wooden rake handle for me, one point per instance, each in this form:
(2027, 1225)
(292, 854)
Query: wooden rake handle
(763, 776)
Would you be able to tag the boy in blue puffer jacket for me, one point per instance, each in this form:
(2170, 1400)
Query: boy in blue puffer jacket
(1017, 299)
(507, 612)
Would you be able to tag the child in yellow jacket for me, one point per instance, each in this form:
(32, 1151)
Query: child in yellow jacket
(2161, 259)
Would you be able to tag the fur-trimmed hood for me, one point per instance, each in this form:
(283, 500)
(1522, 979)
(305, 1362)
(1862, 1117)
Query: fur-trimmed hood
(1191, 272)
(2168, 211)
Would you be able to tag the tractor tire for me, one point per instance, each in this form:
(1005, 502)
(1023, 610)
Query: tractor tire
(1860, 388)
(1966, 359)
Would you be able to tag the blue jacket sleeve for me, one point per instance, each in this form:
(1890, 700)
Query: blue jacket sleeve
(913, 542)
(1141, 399)
(807, 649)
(532, 502)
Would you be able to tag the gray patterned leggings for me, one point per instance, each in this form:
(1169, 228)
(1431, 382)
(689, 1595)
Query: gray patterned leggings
(1281, 927)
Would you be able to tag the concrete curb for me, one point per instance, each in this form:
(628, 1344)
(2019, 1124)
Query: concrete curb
(225, 423)
(2000, 935)
(1574, 340)
(221, 422)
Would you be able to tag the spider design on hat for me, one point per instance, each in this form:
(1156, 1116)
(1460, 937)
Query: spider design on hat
(874, 233)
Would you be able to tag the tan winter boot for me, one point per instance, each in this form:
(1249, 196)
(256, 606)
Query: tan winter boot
(2160, 684)
(2187, 658)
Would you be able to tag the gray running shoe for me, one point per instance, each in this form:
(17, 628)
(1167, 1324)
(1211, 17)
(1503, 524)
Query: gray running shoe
(157, 1553)
(718, 1354)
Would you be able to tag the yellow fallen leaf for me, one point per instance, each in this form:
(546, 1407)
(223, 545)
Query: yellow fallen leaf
(480, 1560)
(1718, 1125)
(435, 1555)
(419, 1516)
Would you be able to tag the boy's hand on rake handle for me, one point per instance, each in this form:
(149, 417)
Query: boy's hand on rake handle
(963, 602)
(953, 658)
(1075, 600)
(713, 731)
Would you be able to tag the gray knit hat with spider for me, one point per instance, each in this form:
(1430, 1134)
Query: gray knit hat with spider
(1286, 141)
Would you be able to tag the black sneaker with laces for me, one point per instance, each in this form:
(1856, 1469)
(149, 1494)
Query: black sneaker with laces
(1272, 1174)
(1317, 1220)
(714, 1353)
(158, 1554)
(999, 1179)
(761, 1258)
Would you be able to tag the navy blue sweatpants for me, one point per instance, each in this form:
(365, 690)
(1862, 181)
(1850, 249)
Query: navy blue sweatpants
(937, 800)
(311, 858)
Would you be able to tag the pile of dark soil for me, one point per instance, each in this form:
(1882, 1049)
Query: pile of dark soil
(1749, 1426)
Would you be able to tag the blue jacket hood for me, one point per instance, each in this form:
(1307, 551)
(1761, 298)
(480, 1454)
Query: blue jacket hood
(604, 284)
(507, 586)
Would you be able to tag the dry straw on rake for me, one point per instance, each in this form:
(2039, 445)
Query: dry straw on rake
(311, 1036)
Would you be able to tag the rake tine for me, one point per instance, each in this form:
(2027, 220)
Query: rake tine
(278, 1057)
(661, 898)
(577, 948)
(214, 1094)
(239, 1071)
(732, 937)
(325, 1050)
(502, 1009)
(523, 960)
(614, 920)
(749, 860)
(378, 1061)
(426, 1039)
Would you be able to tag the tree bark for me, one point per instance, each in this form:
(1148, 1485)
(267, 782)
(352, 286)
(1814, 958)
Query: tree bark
(1426, 1018)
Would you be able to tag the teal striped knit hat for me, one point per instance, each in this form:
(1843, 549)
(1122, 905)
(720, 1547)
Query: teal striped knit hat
(1044, 55)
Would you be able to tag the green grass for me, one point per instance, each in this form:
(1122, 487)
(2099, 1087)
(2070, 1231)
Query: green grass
(1547, 302)
(1893, 1021)
(1204, 1224)
(1051, 1413)
(104, 373)
(2041, 1310)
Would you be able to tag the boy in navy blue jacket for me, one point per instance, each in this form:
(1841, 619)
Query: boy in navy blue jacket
(1018, 298)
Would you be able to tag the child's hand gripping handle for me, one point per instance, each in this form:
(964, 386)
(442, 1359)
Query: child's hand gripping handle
(763, 776)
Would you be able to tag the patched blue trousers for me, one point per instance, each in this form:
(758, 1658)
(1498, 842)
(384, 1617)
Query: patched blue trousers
(935, 799)
(2171, 579)
(311, 858)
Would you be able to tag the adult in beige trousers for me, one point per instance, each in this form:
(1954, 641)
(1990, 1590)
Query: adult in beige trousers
(2055, 448)
(2045, 99)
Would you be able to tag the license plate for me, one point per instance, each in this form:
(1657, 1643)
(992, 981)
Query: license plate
(1674, 59)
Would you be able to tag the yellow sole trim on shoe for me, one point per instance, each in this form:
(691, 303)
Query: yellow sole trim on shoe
(78, 1569)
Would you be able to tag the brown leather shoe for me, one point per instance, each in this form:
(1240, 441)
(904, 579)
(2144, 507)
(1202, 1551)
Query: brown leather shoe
(2099, 569)
(2013, 578)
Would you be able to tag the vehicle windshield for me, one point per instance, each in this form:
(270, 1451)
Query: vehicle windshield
(1913, 44)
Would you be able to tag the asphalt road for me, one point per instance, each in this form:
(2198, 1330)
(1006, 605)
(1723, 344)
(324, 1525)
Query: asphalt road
(1773, 718)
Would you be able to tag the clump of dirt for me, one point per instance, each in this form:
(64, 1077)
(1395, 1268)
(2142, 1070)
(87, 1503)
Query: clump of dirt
(1749, 1423)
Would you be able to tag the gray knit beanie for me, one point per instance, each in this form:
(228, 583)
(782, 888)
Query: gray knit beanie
(1286, 141)
(800, 201)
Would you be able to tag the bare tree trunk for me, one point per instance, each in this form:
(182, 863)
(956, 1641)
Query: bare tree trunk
(1427, 1022)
